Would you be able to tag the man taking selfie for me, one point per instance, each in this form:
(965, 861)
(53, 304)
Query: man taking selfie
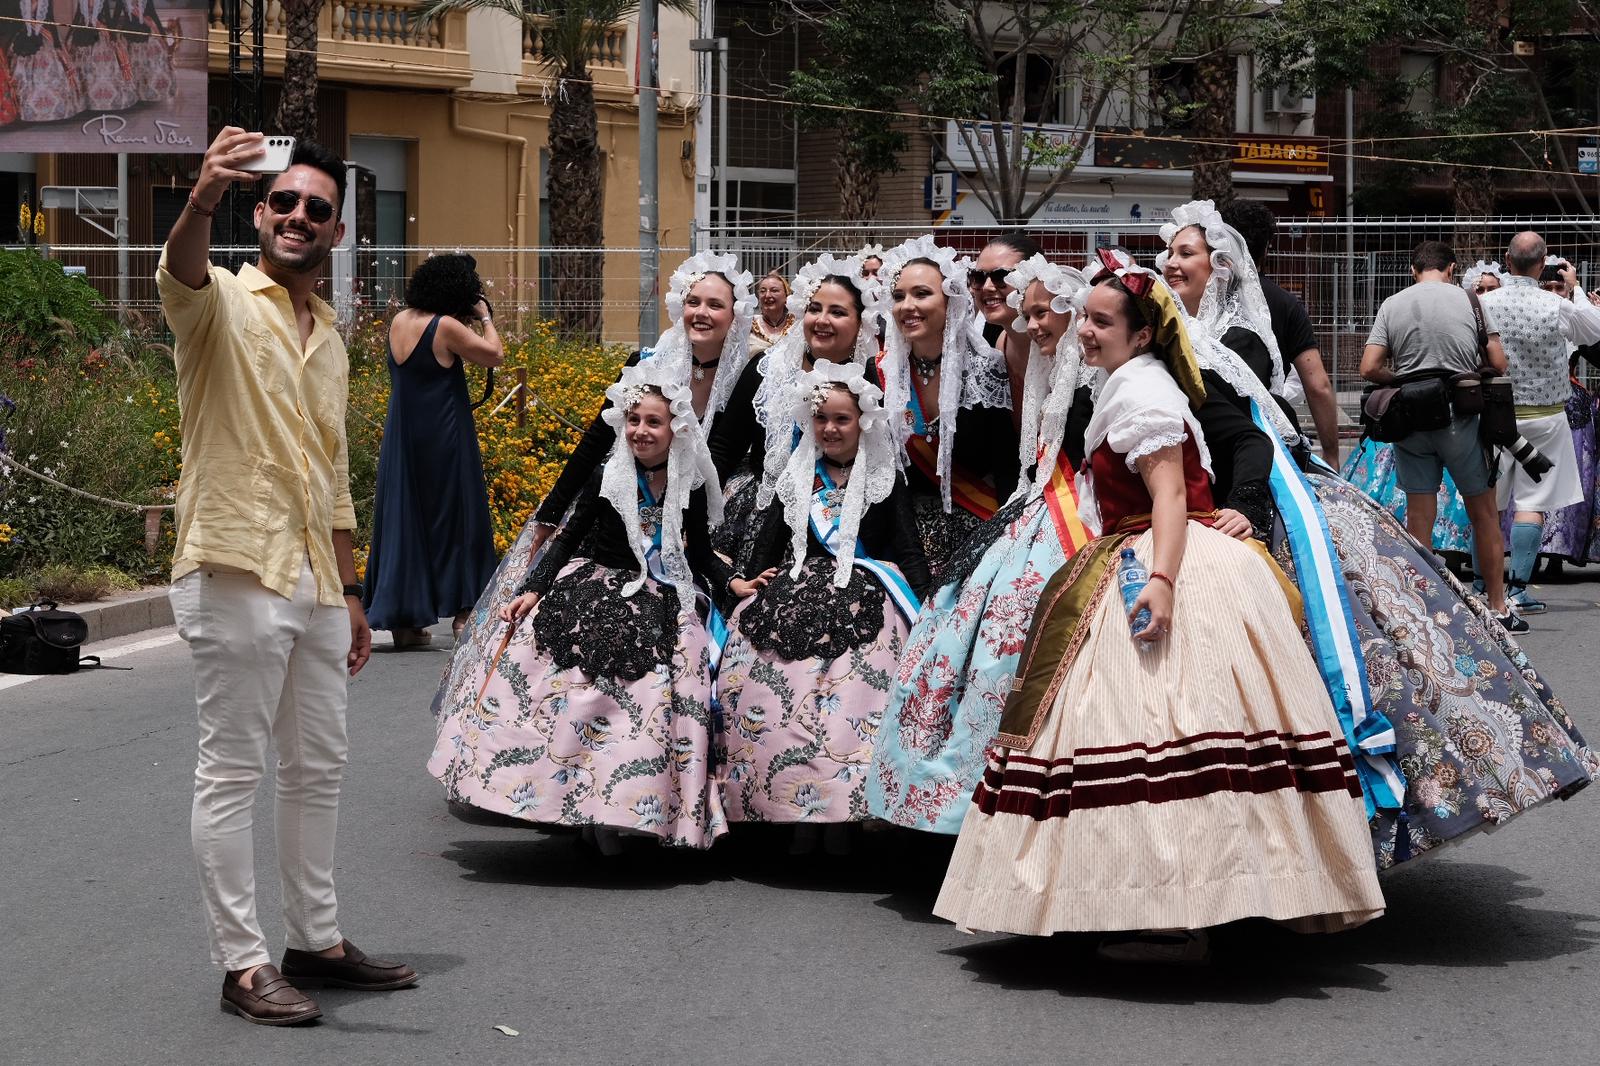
(264, 583)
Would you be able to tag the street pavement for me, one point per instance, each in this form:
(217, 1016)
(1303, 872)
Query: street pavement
(740, 956)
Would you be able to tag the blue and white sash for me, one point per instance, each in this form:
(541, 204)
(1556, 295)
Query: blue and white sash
(716, 625)
(825, 527)
(1333, 633)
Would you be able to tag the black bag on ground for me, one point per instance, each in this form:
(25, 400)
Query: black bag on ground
(43, 641)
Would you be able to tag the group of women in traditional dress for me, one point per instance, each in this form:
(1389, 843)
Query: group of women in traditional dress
(918, 621)
(1572, 534)
(110, 57)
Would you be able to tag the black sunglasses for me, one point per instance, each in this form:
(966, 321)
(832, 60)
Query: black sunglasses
(976, 278)
(284, 202)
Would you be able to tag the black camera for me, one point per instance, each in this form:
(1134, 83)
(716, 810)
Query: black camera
(1551, 273)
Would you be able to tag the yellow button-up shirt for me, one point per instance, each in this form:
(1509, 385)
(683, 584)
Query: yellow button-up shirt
(265, 478)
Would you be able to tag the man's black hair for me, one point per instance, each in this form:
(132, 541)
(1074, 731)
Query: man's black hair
(312, 154)
(1255, 223)
(1432, 255)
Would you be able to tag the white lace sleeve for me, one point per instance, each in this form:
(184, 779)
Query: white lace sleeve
(1144, 432)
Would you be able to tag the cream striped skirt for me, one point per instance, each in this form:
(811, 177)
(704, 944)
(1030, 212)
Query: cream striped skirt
(1187, 786)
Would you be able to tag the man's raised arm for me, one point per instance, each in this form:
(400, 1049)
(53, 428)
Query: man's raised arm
(189, 245)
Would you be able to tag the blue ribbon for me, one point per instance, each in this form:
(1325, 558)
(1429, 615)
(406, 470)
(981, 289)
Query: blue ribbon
(893, 582)
(1335, 646)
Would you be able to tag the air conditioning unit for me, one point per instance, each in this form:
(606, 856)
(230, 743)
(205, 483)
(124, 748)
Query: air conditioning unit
(1286, 101)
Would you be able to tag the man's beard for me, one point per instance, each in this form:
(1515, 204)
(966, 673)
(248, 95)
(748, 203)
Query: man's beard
(303, 259)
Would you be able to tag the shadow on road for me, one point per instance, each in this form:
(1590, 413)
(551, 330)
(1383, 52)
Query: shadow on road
(1439, 915)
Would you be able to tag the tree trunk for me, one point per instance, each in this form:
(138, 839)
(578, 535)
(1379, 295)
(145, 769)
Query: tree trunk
(858, 185)
(1472, 195)
(576, 204)
(297, 107)
(1216, 78)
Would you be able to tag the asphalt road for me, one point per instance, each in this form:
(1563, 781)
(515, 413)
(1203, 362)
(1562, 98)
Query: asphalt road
(740, 956)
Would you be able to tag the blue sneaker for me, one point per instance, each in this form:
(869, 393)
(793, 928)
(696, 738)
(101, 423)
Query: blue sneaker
(1524, 602)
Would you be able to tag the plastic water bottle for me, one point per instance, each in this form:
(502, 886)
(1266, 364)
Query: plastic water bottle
(1132, 577)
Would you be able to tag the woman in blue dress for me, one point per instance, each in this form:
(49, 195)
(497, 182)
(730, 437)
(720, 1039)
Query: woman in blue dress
(961, 656)
(432, 541)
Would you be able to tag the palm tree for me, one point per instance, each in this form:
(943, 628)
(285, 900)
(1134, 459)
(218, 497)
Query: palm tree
(568, 33)
(297, 106)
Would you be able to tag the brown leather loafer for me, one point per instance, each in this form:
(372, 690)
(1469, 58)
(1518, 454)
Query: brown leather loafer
(271, 999)
(354, 970)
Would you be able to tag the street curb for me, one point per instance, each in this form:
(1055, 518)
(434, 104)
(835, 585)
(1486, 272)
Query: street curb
(132, 612)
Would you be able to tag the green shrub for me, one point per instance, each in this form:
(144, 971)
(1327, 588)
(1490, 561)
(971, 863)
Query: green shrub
(41, 305)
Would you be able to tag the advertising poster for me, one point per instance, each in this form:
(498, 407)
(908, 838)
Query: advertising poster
(102, 76)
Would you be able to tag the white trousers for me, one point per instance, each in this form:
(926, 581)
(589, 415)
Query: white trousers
(267, 670)
(1561, 486)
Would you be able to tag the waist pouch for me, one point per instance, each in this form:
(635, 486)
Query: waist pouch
(1393, 412)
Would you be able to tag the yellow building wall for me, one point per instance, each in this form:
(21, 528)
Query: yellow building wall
(462, 187)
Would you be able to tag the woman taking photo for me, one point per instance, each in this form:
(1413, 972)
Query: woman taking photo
(839, 573)
(1124, 794)
(948, 391)
(1413, 648)
(963, 651)
(597, 712)
(432, 541)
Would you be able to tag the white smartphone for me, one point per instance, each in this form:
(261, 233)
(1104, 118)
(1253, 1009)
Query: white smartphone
(275, 160)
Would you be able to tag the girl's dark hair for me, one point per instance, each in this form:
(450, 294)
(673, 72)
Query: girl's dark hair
(445, 285)
(1018, 242)
(1132, 306)
(848, 286)
(720, 276)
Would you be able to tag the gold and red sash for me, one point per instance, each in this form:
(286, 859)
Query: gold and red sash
(967, 492)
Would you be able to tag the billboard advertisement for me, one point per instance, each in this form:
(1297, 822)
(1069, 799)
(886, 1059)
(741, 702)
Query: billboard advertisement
(102, 75)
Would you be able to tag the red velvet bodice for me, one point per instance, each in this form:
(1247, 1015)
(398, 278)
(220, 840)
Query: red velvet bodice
(1121, 492)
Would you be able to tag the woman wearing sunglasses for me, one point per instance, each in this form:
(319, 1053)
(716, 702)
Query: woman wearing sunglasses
(991, 293)
(432, 541)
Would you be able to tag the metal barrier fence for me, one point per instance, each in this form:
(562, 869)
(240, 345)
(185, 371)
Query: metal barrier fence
(1341, 269)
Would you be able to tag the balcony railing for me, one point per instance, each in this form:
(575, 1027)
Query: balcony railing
(607, 60)
(372, 41)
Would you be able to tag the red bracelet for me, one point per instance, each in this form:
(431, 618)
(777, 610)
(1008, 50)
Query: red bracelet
(194, 205)
(1156, 575)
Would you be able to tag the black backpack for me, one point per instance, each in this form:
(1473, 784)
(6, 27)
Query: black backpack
(43, 640)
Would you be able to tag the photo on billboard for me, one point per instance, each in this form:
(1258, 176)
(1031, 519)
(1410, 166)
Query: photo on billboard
(102, 75)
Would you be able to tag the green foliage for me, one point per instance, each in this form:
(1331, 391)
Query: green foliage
(39, 304)
(877, 56)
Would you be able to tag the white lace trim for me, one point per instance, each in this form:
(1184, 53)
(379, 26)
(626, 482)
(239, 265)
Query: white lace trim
(673, 346)
(872, 474)
(1152, 444)
(689, 467)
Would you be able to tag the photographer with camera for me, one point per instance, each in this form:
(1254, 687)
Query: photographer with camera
(1429, 333)
(1536, 326)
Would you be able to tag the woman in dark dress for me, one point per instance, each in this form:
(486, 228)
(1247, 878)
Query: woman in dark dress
(432, 542)
(838, 577)
(949, 391)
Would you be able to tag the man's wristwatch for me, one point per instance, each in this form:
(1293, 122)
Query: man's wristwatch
(354, 590)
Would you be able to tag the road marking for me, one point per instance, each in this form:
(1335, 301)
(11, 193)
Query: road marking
(116, 651)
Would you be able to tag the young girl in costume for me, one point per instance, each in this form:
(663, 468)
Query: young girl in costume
(101, 58)
(47, 85)
(598, 712)
(839, 573)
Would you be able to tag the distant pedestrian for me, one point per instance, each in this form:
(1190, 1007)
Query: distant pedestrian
(265, 532)
(1535, 328)
(432, 541)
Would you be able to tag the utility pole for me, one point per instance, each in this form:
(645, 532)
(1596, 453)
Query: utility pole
(649, 202)
(719, 46)
(705, 71)
(122, 235)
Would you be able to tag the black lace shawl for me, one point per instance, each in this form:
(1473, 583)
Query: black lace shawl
(583, 619)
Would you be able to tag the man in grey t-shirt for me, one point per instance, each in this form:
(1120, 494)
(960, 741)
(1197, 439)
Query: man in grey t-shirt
(1431, 326)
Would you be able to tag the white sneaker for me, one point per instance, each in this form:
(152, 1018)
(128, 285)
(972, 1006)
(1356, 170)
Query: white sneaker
(1172, 947)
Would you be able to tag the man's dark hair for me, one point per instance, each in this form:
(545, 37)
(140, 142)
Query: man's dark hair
(312, 154)
(1255, 223)
(1018, 242)
(1432, 255)
(445, 285)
